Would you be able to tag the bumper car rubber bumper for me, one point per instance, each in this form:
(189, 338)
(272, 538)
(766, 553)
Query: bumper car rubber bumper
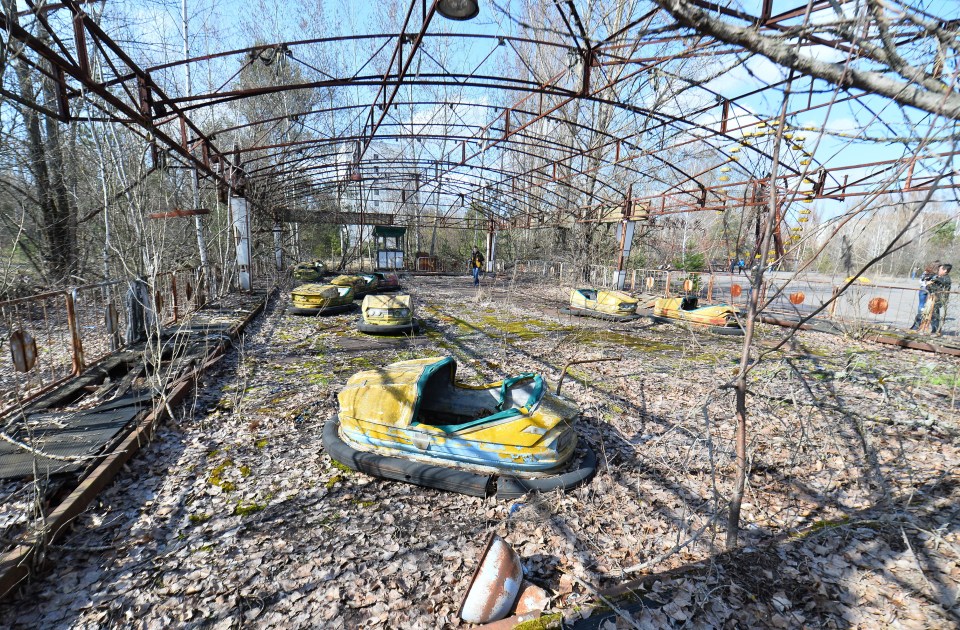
(327, 310)
(475, 484)
(717, 330)
(412, 328)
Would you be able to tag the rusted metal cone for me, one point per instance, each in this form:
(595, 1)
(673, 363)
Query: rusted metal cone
(495, 583)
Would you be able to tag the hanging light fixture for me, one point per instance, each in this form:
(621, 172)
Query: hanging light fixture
(458, 9)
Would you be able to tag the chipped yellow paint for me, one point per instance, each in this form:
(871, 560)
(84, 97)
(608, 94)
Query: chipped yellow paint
(319, 296)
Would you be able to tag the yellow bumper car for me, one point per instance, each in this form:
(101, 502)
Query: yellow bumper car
(321, 299)
(718, 318)
(388, 315)
(412, 421)
(614, 306)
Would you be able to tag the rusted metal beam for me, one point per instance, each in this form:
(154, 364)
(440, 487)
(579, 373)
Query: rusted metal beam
(177, 212)
(403, 66)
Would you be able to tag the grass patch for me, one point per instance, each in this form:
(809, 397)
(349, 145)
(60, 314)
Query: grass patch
(198, 518)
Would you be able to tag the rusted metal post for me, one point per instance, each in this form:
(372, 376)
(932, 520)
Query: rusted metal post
(666, 282)
(625, 233)
(176, 302)
(710, 289)
(76, 345)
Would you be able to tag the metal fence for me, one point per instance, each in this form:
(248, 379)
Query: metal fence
(54, 336)
(860, 304)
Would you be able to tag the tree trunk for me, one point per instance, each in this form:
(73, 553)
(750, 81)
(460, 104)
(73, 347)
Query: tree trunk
(58, 220)
(740, 385)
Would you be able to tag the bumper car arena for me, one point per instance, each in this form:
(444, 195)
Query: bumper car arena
(472, 314)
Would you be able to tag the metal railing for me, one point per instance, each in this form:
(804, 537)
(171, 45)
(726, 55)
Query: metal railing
(53, 336)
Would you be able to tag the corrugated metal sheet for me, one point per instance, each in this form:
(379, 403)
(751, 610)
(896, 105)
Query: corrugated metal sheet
(65, 435)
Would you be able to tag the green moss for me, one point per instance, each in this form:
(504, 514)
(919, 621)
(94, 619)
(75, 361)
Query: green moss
(261, 443)
(334, 481)
(244, 508)
(523, 329)
(364, 504)
(340, 466)
(545, 622)
(207, 547)
(362, 362)
(198, 518)
(624, 340)
(245, 471)
(216, 476)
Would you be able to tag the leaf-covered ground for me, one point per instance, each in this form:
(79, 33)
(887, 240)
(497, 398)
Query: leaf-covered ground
(235, 516)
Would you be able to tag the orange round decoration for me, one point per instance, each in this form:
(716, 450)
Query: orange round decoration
(650, 282)
(735, 290)
(688, 285)
(797, 298)
(878, 305)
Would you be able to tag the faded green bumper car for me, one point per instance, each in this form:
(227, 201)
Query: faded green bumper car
(309, 271)
(361, 283)
(388, 315)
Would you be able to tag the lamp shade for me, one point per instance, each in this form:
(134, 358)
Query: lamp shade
(458, 9)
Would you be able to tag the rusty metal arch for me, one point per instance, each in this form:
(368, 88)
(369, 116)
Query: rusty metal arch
(133, 97)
